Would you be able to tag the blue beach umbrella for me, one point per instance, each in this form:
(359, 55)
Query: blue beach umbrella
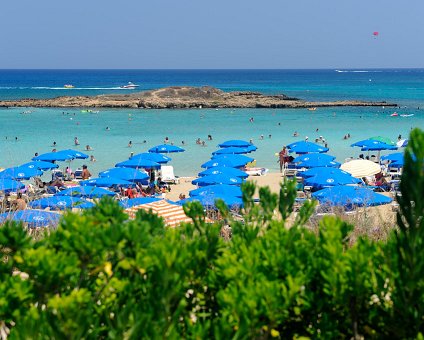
(224, 162)
(331, 180)
(106, 182)
(34, 218)
(40, 165)
(20, 173)
(378, 147)
(235, 143)
(76, 154)
(132, 202)
(217, 179)
(350, 196)
(224, 170)
(393, 157)
(318, 163)
(209, 200)
(7, 184)
(151, 156)
(218, 189)
(54, 156)
(86, 191)
(128, 174)
(313, 160)
(138, 163)
(373, 145)
(302, 147)
(166, 148)
(60, 203)
(322, 171)
(238, 158)
(314, 157)
(233, 150)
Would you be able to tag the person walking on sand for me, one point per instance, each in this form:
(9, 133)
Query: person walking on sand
(282, 157)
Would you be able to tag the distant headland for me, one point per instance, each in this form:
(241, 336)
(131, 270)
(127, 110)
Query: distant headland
(184, 97)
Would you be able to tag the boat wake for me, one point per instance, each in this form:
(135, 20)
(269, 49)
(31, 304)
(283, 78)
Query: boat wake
(74, 88)
(59, 88)
(357, 71)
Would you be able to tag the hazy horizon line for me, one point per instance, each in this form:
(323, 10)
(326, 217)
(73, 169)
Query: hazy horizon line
(212, 69)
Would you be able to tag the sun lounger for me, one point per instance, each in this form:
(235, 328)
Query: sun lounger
(290, 170)
(57, 174)
(167, 174)
(78, 173)
(256, 171)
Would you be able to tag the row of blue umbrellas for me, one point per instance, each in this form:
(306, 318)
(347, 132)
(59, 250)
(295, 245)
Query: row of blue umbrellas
(350, 197)
(124, 175)
(338, 187)
(230, 156)
(223, 177)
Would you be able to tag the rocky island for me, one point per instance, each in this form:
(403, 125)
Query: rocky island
(183, 97)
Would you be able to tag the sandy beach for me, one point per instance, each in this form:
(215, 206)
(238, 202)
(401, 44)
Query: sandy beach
(272, 180)
(375, 222)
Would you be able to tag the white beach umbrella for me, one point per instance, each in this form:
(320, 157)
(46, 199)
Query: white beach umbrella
(361, 168)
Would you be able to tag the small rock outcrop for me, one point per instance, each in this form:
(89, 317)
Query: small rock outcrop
(183, 97)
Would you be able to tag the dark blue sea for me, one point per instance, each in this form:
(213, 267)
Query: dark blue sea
(405, 86)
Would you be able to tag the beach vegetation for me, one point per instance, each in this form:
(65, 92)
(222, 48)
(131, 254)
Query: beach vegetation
(101, 276)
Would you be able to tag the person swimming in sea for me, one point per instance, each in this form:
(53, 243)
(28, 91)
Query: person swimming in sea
(76, 141)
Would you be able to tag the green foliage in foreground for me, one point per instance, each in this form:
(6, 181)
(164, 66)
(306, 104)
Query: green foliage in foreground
(99, 276)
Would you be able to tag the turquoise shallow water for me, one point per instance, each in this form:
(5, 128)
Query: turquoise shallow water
(37, 131)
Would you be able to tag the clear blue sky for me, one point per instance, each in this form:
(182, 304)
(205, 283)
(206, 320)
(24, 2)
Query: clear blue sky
(145, 34)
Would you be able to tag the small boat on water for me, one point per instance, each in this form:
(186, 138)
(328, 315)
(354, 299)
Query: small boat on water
(89, 111)
(394, 114)
(68, 86)
(312, 109)
(130, 86)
